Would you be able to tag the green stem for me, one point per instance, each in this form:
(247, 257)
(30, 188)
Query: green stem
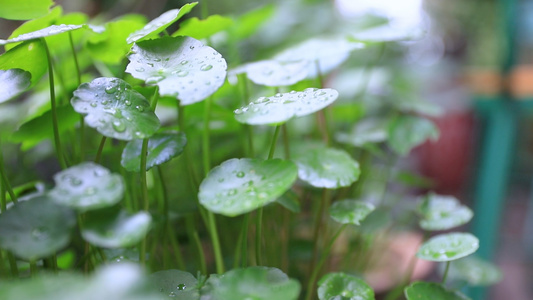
(258, 237)
(445, 276)
(216, 242)
(144, 192)
(78, 77)
(6, 186)
(316, 270)
(175, 247)
(13, 265)
(274, 142)
(75, 56)
(82, 138)
(242, 245)
(2, 265)
(319, 224)
(259, 216)
(155, 99)
(100, 149)
(213, 231)
(57, 141)
(33, 268)
(286, 143)
(193, 236)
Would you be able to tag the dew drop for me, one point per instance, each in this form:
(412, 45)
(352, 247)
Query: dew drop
(208, 83)
(191, 47)
(221, 179)
(104, 102)
(206, 67)
(172, 294)
(119, 126)
(39, 233)
(94, 104)
(184, 62)
(127, 102)
(140, 69)
(181, 287)
(181, 73)
(240, 174)
(232, 192)
(238, 111)
(139, 134)
(89, 191)
(118, 114)
(292, 92)
(278, 95)
(111, 89)
(139, 108)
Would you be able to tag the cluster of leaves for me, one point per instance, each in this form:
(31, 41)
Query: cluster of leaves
(150, 206)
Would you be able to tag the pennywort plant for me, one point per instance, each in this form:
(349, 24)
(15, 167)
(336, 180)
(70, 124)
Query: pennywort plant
(138, 162)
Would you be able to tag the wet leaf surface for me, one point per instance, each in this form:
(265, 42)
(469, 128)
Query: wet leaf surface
(350, 211)
(115, 109)
(448, 247)
(280, 108)
(343, 286)
(238, 186)
(182, 67)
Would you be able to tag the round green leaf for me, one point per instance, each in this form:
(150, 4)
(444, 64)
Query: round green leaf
(160, 23)
(201, 29)
(406, 132)
(258, 283)
(475, 271)
(48, 31)
(13, 82)
(182, 67)
(110, 45)
(162, 147)
(369, 130)
(430, 290)
(448, 247)
(36, 228)
(350, 211)
(34, 131)
(115, 228)
(238, 186)
(24, 10)
(114, 281)
(327, 168)
(343, 286)
(274, 73)
(442, 212)
(328, 53)
(282, 107)
(176, 283)
(87, 186)
(115, 109)
(28, 56)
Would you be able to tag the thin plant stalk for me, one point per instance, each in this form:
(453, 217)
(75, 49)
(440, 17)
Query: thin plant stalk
(259, 214)
(175, 247)
(2, 264)
(55, 126)
(319, 225)
(144, 193)
(100, 150)
(33, 267)
(242, 247)
(190, 226)
(316, 269)
(445, 276)
(6, 186)
(78, 77)
(13, 265)
(193, 236)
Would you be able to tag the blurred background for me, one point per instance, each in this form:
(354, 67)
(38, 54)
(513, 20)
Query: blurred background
(471, 61)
